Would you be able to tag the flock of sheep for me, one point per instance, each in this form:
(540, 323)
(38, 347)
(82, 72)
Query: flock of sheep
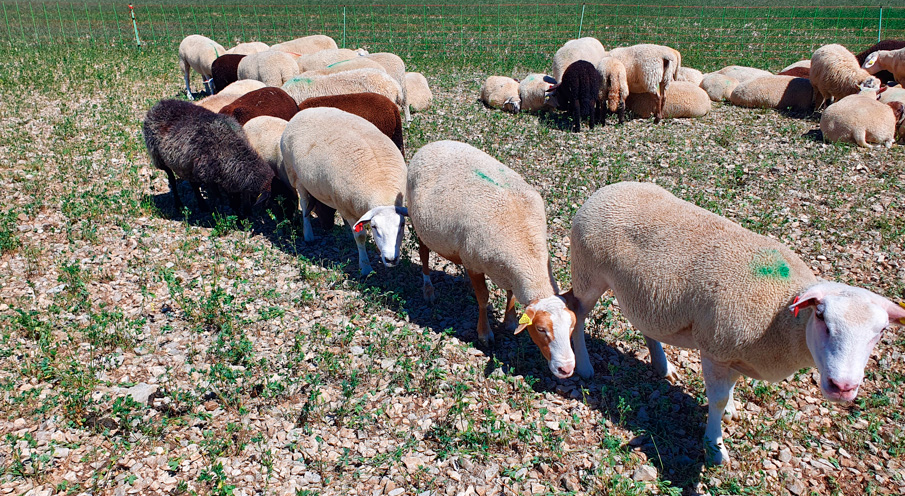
(322, 126)
(649, 80)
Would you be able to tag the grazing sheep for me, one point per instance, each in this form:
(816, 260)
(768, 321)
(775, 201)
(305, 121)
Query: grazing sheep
(613, 89)
(892, 61)
(742, 73)
(649, 69)
(588, 48)
(577, 92)
(718, 86)
(225, 71)
(231, 93)
(835, 73)
(501, 92)
(683, 100)
(206, 149)
(862, 120)
(475, 211)
(532, 92)
(341, 83)
(346, 163)
(198, 52)
(690, 278)
(417, 92)
(376, 109)
(265, 101)
(395, 67)
(320, 60)
(883, 76)
(306, 45)
(777, 92)
(272, 67)
(248, 48)
(690, 75)
(346, 65)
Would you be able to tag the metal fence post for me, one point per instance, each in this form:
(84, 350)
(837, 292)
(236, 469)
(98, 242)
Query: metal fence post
(581, 20)
(135, 25)
(880, 25)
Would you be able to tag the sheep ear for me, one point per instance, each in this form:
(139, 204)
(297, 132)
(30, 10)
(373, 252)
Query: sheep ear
(812, 297)
(402, 211)
(366, 218)
(871, 60)
(897, 313)
(526, 320)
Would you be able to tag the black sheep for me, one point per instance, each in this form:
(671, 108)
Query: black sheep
(883, 76)
(206, 149)
(577, 92)
(225, 70)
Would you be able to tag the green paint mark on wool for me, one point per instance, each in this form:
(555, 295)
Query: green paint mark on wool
(336, 63)
(302, 80)
(487, 178)
(769, 263)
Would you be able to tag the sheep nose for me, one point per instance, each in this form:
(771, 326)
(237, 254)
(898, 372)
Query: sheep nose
(842, 386)
(389, 262)
(567, 370)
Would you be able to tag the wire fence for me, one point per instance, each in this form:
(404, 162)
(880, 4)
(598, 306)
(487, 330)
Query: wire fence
(517, 34)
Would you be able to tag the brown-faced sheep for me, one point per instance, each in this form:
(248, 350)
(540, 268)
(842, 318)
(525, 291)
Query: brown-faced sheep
(224, 71)
(376, 109)
(835, 73)
(266, 101)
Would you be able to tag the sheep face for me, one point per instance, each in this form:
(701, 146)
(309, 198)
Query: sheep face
(870, 84)
(550, 323)
(846, 324)
(388, 227)
(512, 105)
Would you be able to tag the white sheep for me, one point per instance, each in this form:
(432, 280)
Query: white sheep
(887, 60)
(321, 59)
(649, 69)
(357, 81)
(501, 92)
(690, 75)
(264, 134)
(417, 91)
(306, 45)
(272, 67)
(804, 64)
(613, 88)
(473, 210)
(718, 86)
(346, 65)
(835, 73)
(889, 94)
(777, 92)
(532, 91)
(346, 163)
(198, 52)
(741, 73)
(862, 120)
(690, 278)
(587, 48)
(249, 48)
(395, 67)
(683, 100)
(231, 93)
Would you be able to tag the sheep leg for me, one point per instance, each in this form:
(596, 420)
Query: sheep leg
(585, 301)
(660, 98)
(485, 335)
(719, 381)
(602, 110)
(363, 263)
(305, 207)
(186, 70)
(621, 110)
(172, 180)
(428, 288)
(196, 187)
(576, 115)
(510, 323)
(662, 365)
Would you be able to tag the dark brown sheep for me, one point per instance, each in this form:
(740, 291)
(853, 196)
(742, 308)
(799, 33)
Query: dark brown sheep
(577, 92)
(224, 70)
(206, 149)
(265, 101)
(800, 72)
(883, 76)
(377, 109)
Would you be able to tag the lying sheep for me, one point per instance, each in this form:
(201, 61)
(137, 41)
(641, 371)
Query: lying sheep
(306, 45)
(777, 92)
(687, 277)
(889, 94)
(198, 52)
(301, 88)
(799, 72)
(346, 163)
(417, 91)
(206, 149)
(271, 67)
(683, 100)
(376, 109)
(532, 92)
(649, 69)
(501, 92)
(805, 63)
(892, 61)
(225, 71)
(248, 48)
(883, 76)
(321, 59)
(228, 95)
(578, 93)
(613, 89)
(689, 75)
(395, 67)
(265, 101)
(835, 73)
(346, 65)
(588, 49)
(718, 86)
(862, 120)
(494, 224)
(741, 73)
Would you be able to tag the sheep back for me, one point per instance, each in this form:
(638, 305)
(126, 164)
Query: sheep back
(835, 73)
(199, 52)
(321, 59)
(501, 92)
(225, 71)
(883, 76)
(613, 83)
(471, 209)
(265, 101)
(418, 92)
(248, 48)
(587, 48)
(690, 75)
(376, 109)
(859, 119)
(215, 103)
(532, 91)
(806, 63)
(242, 87)
(778, 92)
(683, 99)
(272, 67)
(801, 72)
(648, 67)
(264, 134)
(301, 88)
(306, 45)
(742, 73)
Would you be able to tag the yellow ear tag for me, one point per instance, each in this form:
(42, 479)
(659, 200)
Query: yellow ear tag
(525, 320)
(902, 320)
(870, 63)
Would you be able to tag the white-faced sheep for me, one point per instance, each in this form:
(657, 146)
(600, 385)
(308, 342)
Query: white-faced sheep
(206, 149)
(341, 83)
(892, 61)
(742, 73)
(588, 48)
(862, 120)
(346, 163)
(198, 52)
(418, 92)
(689, 75)
(271, 67)
(718, 86)
(835, 73)
(649, 69)
(683, 100)
(613, 89)
(248, 48)
(306, 45)
(577, 93)
(690, 278)
(320, 60)
(501, 92)
(777, 92)
(883, 76)
(472, 210)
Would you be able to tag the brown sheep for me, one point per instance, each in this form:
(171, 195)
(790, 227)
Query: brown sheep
(265, 101)
(376, 109)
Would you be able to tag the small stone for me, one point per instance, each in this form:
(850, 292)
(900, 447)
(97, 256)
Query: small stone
(397, 491)
(357, 350)
(785, 455)
(141, 391)
(645, 473)
(412, 463)
(795, 487)
(491, 472)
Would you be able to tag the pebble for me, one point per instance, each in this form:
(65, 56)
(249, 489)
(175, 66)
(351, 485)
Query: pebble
(645, 473)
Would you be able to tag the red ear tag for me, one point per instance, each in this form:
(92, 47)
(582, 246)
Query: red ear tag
(797, 309)
(358, 227)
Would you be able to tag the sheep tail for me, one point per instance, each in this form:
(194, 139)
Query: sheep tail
(669, 71)
(612, 97)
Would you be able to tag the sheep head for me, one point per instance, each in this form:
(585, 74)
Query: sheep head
(388, 226)
(550, 322)
(870, 63)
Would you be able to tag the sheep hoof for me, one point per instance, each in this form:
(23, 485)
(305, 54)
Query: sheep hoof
(429, 296)
(487, 340)
(716, 453)
(730, 413)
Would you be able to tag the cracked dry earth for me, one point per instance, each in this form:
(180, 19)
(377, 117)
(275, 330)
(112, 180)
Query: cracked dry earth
(146, 351)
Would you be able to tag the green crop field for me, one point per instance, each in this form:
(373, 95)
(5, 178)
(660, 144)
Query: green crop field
(149, 351)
